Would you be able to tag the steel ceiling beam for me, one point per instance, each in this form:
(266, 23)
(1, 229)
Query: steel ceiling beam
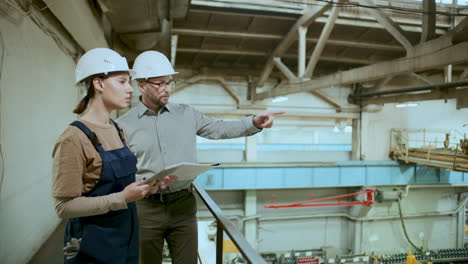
(451, 55)
(305, 20)
(237, 35)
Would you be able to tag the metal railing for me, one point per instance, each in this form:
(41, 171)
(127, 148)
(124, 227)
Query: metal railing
(440, 148)
(425, 138)
(223, 224)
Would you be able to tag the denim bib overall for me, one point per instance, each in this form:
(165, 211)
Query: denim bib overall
(110, 238)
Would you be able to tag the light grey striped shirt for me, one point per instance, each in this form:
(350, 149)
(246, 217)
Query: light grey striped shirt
(169, 137)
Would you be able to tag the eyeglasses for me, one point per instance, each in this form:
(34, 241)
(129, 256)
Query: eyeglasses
(163, 85)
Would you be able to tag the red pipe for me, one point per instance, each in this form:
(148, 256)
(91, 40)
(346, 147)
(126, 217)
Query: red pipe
(368, 202)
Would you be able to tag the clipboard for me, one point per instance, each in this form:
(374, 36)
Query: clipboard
(185, 171)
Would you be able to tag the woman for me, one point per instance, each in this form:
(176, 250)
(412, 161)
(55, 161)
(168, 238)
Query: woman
(94, 170)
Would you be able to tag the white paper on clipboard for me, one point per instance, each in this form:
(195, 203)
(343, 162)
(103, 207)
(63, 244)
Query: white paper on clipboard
(183, 170)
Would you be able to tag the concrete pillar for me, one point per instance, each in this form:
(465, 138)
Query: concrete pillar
(251, 149)
(460, 227)
(174, 40)
(356, 140)
(250, 210)
(366, 139)
(358, 231)
(302, 51)
(448, 73)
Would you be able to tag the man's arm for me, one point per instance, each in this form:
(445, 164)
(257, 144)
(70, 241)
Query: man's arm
(265, 119)
(214, 128)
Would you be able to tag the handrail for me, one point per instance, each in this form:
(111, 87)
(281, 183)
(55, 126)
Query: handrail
(224, 224)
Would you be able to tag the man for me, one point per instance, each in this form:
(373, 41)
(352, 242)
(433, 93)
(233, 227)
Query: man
(162, 134)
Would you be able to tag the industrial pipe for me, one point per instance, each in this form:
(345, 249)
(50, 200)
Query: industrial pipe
(413, 89)
(459, 207)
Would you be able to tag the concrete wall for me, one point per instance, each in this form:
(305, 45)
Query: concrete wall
(37, 99)
(376, 127)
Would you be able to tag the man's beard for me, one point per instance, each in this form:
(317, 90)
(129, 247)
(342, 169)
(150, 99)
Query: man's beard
(160, 102)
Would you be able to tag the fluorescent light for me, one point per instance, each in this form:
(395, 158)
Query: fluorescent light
(279, 99)
(406, 105)
(348, 129)
(335, 129)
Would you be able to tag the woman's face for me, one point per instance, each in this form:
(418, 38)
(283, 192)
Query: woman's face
(117, 91)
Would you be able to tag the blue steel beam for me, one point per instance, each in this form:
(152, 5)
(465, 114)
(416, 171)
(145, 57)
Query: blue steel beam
(344, 174)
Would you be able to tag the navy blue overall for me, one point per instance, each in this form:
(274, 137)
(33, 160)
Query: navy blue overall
(110, 238)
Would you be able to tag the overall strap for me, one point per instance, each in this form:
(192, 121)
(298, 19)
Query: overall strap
(121, 134)
(90, 134)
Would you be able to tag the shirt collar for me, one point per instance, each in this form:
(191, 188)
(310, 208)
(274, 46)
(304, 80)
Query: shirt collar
(142, 109)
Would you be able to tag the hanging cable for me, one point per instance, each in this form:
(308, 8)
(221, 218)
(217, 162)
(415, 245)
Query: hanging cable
(2, 161)
(394, 9)
(18, 8)
(404, 227)
(30, 6)
(47, 6)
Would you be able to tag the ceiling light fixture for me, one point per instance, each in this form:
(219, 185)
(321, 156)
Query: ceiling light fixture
(279, 99)
(406, 105)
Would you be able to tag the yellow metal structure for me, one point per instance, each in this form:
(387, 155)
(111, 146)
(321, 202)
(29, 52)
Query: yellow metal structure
(430, 147)
(411, 259)
(229, 247)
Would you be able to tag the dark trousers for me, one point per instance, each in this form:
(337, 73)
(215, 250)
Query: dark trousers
(173, 219)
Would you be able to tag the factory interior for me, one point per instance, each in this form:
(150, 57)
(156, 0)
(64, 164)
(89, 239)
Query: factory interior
(368, 164)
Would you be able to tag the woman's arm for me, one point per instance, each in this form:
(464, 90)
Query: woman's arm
(81, 206)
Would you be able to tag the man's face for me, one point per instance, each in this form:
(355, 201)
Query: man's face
(156, 90)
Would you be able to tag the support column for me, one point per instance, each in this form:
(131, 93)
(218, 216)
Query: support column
(250, 210)
(302, 51)
(460, 229)
(356, 140)
(448, 73)
(174, 40)
(251, 149)
(428, 20)
(358, 230)
(365, 139)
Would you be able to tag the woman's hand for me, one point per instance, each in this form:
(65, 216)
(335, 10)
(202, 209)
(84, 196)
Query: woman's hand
(136, 191)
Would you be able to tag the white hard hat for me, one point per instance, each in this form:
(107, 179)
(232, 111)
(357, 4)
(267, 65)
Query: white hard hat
(100, 60)
(150, 64)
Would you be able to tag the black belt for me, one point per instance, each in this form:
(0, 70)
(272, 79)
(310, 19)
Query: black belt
(167, 197)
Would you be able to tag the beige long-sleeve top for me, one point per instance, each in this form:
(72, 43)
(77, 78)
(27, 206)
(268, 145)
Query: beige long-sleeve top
(77, 168)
